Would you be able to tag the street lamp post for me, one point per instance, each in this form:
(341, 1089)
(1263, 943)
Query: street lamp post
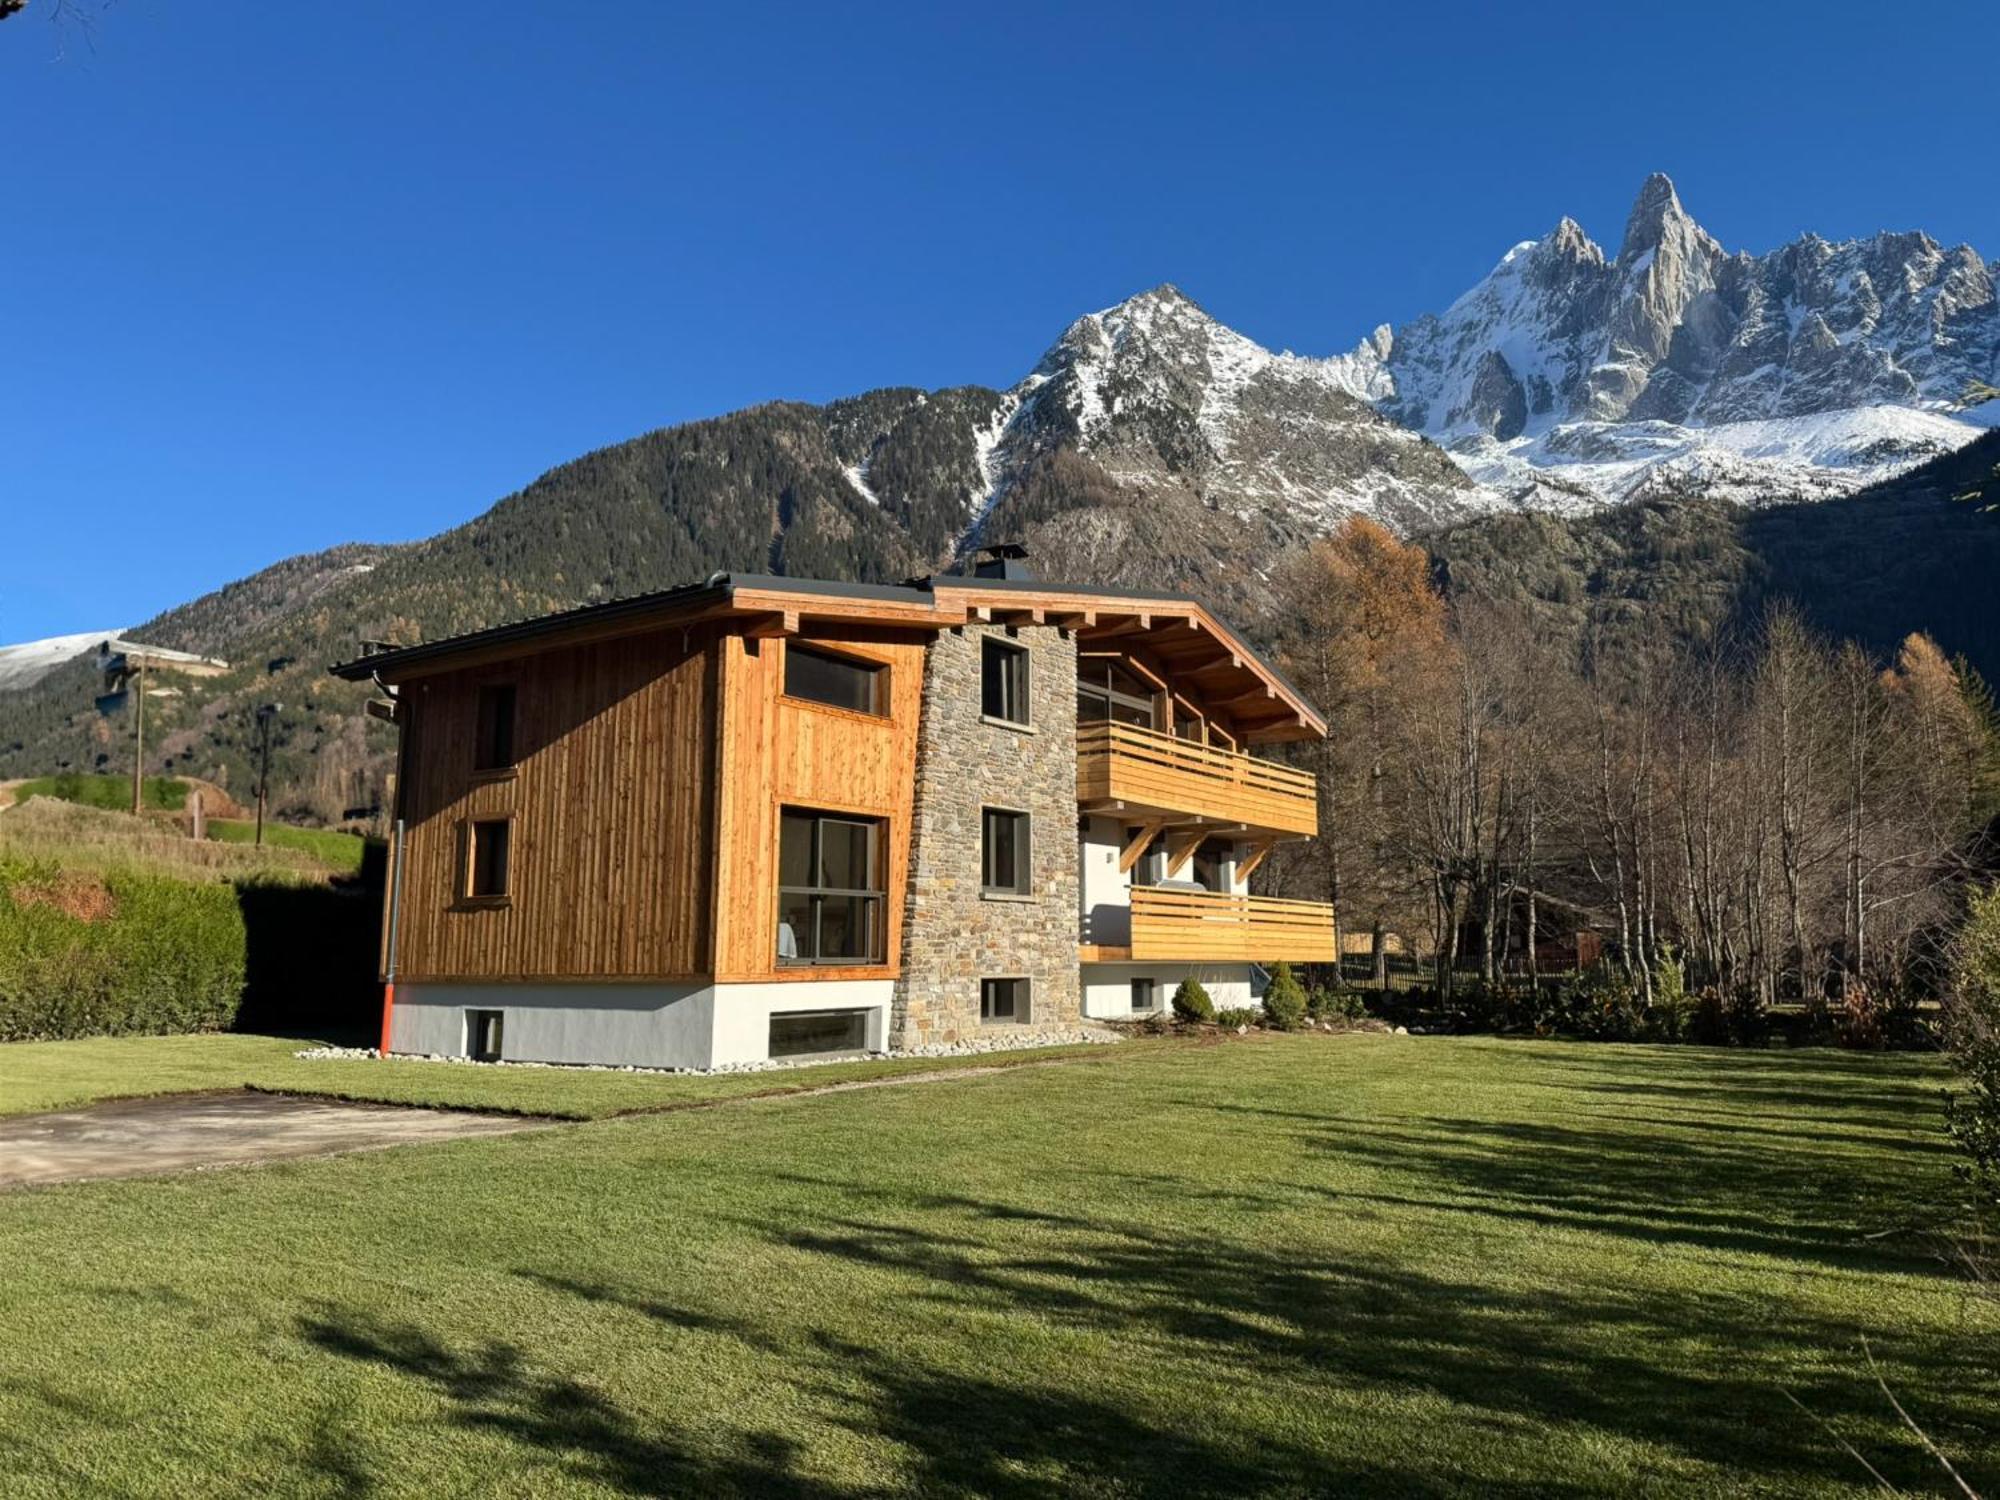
(264, 716)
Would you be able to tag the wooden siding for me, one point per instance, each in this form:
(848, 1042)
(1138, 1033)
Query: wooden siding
(1199, 927)
(612, 801)
(781, 752)
(1150, 772)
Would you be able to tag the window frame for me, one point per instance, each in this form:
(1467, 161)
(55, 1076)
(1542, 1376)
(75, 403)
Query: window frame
(878, 679)
(1022, 1000)
(469, 892)
(1016, 654)
(477, 1019)
(874, 902)
(1152, 991)
(860, 1018)
(505, 757)
(1113, 698)
(1023, 886)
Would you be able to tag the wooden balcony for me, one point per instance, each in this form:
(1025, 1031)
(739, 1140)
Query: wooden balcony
(1199, 927)
(1150, 774)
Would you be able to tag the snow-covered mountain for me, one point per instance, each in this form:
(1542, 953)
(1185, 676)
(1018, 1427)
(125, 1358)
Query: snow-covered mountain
(1567, 378)
(31, 661)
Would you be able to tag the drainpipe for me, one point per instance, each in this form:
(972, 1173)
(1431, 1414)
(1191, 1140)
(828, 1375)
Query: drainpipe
(395, 912)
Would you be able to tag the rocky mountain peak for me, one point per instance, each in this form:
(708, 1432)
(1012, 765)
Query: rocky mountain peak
(1657, 217)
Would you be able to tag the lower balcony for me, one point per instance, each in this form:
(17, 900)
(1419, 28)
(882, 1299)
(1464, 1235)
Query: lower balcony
(1202, 927)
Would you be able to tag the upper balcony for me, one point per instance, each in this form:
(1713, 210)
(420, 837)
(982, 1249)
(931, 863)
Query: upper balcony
(1152, 774)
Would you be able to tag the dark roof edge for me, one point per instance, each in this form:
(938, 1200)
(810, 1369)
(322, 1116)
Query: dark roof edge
(722, 588)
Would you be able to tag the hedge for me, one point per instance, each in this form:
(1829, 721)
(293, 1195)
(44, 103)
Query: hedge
(84, 953)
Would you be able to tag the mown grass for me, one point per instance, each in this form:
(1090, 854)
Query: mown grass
(1272, 1266)
(339, 852)
(41, 1076)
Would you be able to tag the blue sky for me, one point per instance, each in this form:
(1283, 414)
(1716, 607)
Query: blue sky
(280, 275)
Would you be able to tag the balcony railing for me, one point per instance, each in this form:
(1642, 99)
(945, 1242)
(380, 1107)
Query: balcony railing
(1150, 772)
(1200, 927)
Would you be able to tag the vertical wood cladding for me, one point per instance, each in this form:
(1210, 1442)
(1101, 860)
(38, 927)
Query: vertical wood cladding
(612, 799)
(781, 752)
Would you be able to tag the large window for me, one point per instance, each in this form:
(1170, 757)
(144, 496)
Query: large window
(1003, 680)
(1105, 690)
(488, 858)
(1003, 852)
(1003, 1001)
(493, 740)
(837, 681)
(830, 885)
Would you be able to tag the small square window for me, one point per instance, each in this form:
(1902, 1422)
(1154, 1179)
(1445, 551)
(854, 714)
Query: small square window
(494, 741)
(1003, 680)
(1145, 996)
(1003, 852)
(1003, 1002)
(489, 858)
(482, 1035)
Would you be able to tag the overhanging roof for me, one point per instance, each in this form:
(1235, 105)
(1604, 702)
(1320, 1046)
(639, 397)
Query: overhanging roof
(1182, 634)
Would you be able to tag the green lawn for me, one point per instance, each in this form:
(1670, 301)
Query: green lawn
(40, 1076)
(111, 793)
(1271, 1266)
(332, 848)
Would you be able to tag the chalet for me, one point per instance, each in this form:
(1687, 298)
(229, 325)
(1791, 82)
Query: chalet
(768, 817)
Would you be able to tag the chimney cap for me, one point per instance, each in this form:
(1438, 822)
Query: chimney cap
(1006, 560)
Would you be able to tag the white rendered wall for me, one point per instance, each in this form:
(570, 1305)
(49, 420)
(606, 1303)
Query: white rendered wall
(630, 1025)
(1107, 988)
(743, 1012)
(691, 1025)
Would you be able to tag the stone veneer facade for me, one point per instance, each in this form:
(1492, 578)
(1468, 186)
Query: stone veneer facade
(953, 936)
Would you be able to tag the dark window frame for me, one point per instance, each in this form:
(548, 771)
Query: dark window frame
(1012, 702)
(1151, 989)
(1020, 1000)
(473, 894)
(485, 1034)
(1023, 883)
(1099, 701)
(874, 903)
(857, 1020)
(496, 728)
(877, 673)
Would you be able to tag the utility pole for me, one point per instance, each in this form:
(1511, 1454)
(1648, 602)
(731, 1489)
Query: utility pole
(139, 743)
(264, 717)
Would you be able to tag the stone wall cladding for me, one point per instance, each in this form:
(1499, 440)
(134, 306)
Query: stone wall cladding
(952, 935)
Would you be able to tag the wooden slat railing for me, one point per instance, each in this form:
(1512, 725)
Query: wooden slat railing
(1146, 768)
(1199, 926)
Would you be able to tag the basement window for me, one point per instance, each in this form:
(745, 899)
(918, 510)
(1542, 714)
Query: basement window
(1003, 1002)
(1003, 681)
(494, 740)
(1145, 996)
(482, 1035)
(836, 681)
(819, 1033)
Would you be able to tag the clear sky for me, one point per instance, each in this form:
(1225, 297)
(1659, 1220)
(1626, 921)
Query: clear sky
(276, 275)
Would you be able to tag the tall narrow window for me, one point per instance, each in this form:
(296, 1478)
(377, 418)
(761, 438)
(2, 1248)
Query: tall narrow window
(494, 741)
(1145, 995)
(1003, 852)
(835, 680)
(830, 889)
(1003, 1001)
(489, 858)
(1003, 680)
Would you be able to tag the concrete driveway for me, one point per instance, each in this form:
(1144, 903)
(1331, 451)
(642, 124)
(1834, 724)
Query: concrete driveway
(187, 1132)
